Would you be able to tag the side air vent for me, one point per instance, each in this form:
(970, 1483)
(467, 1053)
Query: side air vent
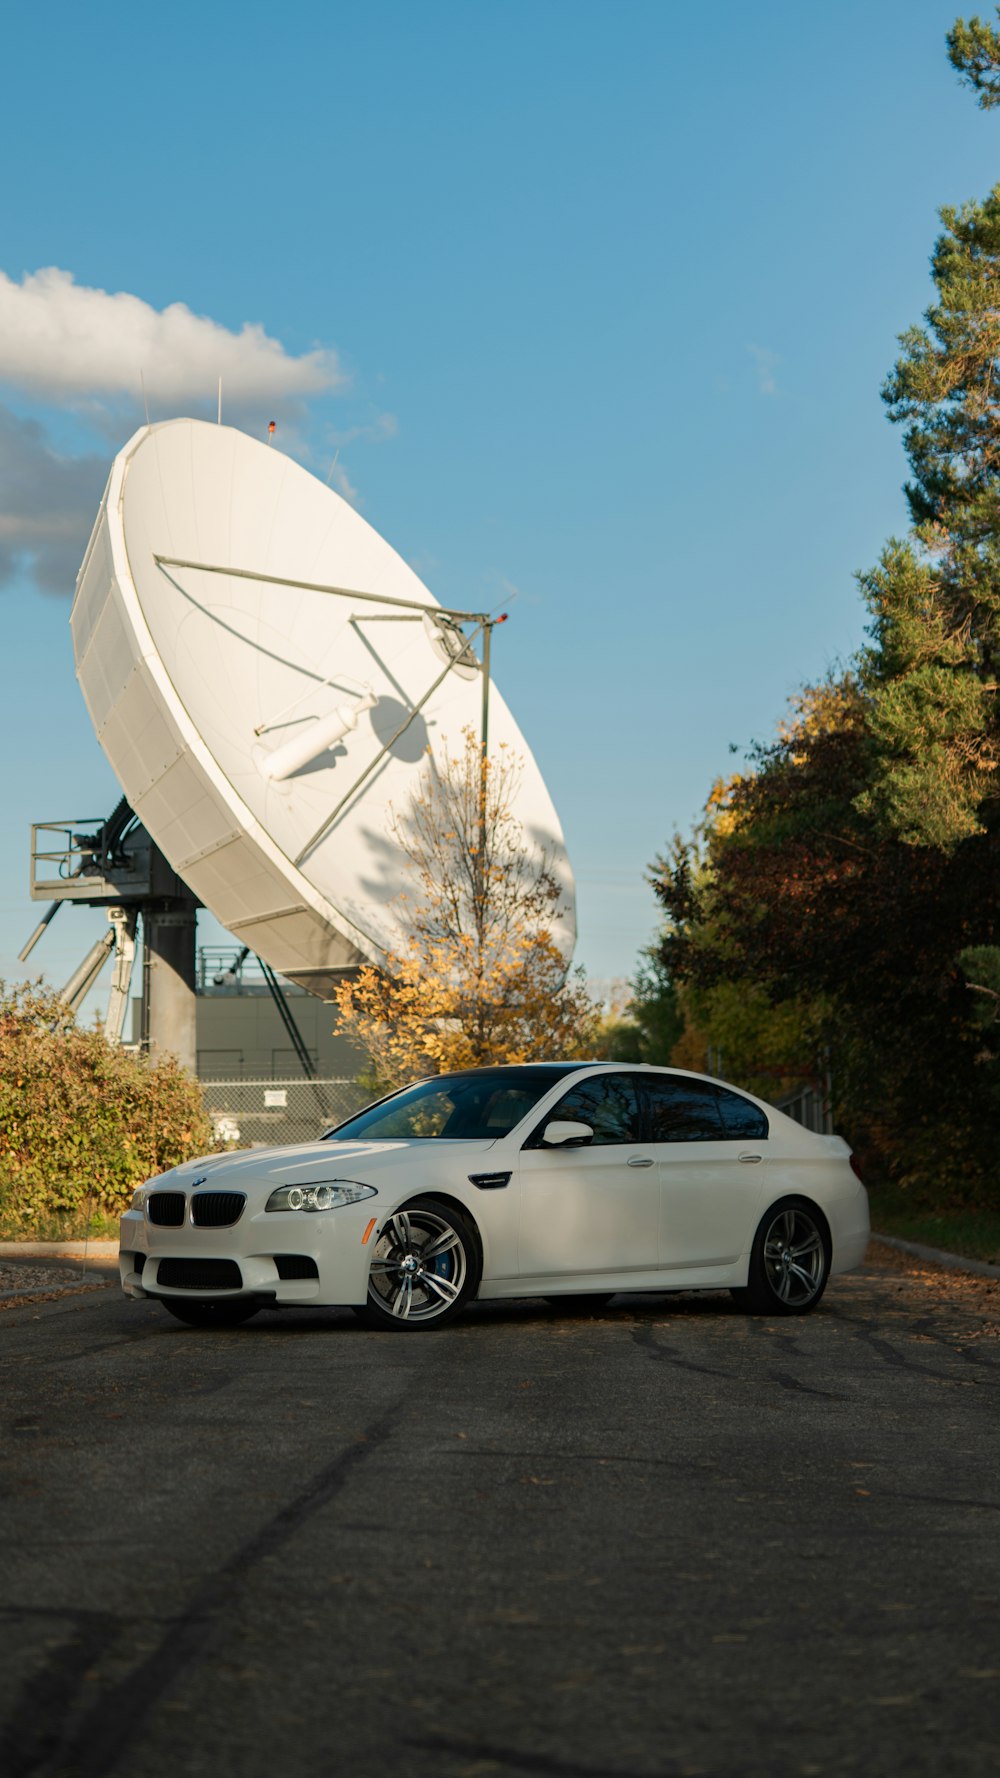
(489, 1182)
(166, 1209)
(295, 1265)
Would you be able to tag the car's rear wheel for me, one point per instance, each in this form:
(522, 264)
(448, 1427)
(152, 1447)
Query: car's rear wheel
(230, 1312)
(424, 1268)
(789, 1261)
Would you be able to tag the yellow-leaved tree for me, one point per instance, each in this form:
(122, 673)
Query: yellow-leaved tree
(478, 977)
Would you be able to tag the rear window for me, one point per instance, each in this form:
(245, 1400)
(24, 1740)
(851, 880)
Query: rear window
(679, 1109)
(682, 1110)
(741, 1116)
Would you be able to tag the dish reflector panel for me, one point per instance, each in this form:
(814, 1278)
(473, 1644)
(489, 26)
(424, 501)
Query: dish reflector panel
(264, 729)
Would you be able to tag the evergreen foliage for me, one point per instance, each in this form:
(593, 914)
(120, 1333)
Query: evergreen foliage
(932, 672)
(974, 52)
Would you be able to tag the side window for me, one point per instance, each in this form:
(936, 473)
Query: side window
(740, 1117)
(607, 1102)
(681, 1110)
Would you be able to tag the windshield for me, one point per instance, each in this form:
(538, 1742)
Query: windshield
(477, 1106)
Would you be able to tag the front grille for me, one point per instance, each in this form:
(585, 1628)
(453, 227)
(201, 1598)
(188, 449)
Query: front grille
(295, 1265)
(200, 1274)
(217, 1210)
(166, 1209)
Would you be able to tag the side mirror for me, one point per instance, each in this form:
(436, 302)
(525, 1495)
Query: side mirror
(564, 1132)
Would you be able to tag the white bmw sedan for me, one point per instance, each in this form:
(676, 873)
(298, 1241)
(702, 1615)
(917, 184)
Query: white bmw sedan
(565, 1180)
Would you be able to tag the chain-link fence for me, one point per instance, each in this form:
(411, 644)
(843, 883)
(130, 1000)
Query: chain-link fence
(254, 1112)
(809, 1107)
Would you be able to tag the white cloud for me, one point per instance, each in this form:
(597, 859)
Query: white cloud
(47, 505)
(375, 431)
(64, 342)
(767, 363)
(338, 478)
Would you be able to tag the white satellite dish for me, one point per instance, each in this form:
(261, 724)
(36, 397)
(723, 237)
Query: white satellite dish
(267, 676)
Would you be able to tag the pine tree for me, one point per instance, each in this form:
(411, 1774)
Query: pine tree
(933, 670)
(974, 52)
(842, 893)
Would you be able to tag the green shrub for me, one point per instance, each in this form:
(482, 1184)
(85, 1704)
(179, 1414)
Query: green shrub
(82, 1123)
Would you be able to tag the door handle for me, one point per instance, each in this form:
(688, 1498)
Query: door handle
(750, 1157)
(639, 1160)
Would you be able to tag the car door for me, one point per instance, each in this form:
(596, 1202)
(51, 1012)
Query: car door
(710, 1147)
(596, 1208)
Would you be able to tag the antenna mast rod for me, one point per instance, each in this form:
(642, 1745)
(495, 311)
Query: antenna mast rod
(484, 743)
(321, 832)
(312, 586)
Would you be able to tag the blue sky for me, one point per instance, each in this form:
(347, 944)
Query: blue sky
(609, 291)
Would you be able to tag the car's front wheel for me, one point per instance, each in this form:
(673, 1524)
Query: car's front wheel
(230, 1312)
(424, 1268)
(789, 1261)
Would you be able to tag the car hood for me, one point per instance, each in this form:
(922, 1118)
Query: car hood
(305, 1162)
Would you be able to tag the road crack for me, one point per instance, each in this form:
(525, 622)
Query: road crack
(96, 1742)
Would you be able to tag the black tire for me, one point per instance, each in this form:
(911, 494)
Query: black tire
(230, 1312)
(789, 1261)
(425, 1267)
(582, 1302)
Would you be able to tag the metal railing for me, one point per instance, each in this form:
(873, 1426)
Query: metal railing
(809, 1107)
(70, 861)
(240, 972)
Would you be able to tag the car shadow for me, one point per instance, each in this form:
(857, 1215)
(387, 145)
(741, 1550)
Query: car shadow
(624, 1309)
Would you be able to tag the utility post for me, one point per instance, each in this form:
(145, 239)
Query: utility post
(169, 1004)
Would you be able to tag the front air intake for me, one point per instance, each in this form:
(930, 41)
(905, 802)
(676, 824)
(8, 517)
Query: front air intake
(199, 1274)
(217, 1210)
(166, 1209)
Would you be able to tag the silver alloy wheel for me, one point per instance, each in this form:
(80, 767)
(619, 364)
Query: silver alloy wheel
(418, 1267)
(794, 1257)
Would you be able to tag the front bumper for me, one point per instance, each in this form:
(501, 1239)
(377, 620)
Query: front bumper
(249, 1258)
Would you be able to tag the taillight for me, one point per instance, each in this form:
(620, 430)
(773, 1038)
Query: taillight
(856, 1168)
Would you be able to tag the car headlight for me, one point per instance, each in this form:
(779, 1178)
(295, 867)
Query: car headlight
(138, 1198)
(331, 1195)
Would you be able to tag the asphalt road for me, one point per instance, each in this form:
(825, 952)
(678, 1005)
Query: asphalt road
(669, 1540)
